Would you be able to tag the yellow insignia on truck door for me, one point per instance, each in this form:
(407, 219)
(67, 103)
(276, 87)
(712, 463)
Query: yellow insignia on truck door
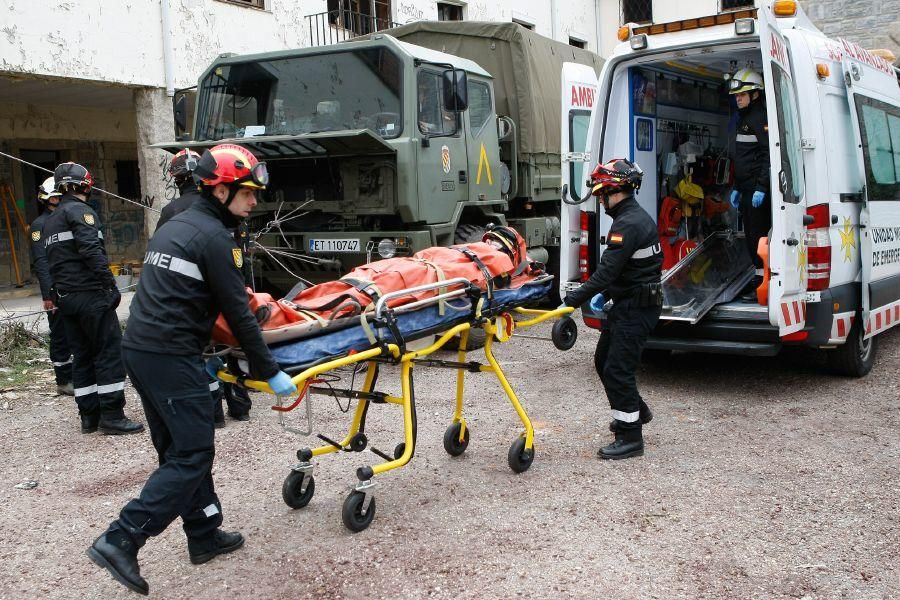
(238, 257)
(35, 236)
(89, 219)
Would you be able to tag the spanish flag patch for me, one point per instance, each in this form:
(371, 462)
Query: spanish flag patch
(615, 238)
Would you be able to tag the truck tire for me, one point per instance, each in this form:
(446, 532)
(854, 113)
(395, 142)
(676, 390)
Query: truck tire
(467, 234)
(476, 340)
(856, 356)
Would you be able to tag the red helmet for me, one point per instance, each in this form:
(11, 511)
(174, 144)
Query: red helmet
(510, 241)
(231, 164)
(615, 176)
(72, 174)
(183, 163)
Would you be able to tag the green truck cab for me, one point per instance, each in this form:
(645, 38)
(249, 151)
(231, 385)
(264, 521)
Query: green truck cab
(388, 144)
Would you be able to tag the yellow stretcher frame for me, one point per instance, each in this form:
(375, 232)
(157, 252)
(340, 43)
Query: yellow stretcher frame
(359, 506)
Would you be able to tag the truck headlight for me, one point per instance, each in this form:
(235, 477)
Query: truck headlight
(387, 248)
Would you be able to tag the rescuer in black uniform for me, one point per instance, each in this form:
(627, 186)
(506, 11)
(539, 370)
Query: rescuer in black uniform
(85, 292)
(60, 355)
(191, 273)
(751, 191)
(629, 275)
(181, 170)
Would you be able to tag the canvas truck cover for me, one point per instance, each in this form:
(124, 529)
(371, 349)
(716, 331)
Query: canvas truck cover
(526, 68)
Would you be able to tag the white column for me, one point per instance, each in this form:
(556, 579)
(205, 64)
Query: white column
(153, 111)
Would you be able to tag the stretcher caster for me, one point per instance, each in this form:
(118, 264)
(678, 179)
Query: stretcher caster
(359, 508)
(359, 442)
(299, 487)
(452, 444)
(564, 333)
(519, 458)
(399, 449)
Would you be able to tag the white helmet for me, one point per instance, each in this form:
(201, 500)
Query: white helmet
(745, 80)
(47, 190)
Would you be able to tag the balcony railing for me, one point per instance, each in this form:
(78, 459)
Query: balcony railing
(342, 25)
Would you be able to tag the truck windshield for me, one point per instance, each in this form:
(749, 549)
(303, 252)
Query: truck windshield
(354, 89)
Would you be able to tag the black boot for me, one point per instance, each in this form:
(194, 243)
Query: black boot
(646, 416)
(65, 389)
(118, 555)
(89, 423)
(628, 443)
(221, 542)
(118, 425)
(748, 294)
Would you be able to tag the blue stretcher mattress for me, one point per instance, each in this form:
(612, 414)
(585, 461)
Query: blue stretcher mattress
(412, 325)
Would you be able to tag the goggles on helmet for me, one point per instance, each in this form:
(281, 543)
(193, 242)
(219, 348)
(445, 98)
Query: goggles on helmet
(257, 177)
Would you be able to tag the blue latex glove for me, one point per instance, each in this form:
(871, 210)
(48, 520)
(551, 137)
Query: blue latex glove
(597, 302)
(282, 385)
(735, 198)
(757, 199)
(214, 365)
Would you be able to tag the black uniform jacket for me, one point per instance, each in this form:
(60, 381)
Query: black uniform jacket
(632, 258)
(39, 256)
(191, 273)
(76, 254)
(188, 193)
(751, 148)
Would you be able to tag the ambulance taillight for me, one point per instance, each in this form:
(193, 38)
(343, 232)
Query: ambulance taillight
(818, 247)
(584, 262)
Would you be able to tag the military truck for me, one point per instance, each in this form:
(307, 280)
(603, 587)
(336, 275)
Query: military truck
(402, 140)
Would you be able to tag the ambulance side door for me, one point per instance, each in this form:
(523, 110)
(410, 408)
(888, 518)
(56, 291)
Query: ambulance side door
(787, 240)
(876, 128)
(579, 98)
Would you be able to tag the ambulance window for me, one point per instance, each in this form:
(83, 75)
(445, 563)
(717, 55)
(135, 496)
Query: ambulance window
(880, 130)
(579, 120)
(479, 104)
(789, 135)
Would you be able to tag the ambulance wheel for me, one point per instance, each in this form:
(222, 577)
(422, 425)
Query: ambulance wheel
(352, 515)
(857, 355)
(519, 458)
(564, 333)
(290, 490)
(452, 443)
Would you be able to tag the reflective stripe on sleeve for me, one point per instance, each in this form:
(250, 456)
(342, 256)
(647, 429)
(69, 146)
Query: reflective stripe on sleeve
(647, 252)
(112, 387)
(625, 417)
(62, 364)
(86, 391)
(746, 139)
(213, 386)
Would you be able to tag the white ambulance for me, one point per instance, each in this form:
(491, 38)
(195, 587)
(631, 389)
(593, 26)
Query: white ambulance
(833, 265)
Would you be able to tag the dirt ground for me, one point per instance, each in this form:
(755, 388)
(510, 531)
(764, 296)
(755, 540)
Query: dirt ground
(763, 478)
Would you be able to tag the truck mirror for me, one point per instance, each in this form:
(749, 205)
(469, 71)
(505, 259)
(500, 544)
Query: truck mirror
(456, 90)
(180, 112)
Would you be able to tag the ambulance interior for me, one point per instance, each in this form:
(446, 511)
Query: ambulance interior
(680, 127)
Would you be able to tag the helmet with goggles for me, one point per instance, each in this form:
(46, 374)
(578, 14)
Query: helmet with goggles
(617, 175)
(231, 165)
(745, 80)
(47, 190)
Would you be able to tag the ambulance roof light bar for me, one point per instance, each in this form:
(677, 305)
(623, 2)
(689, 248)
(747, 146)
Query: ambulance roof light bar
(630, 30)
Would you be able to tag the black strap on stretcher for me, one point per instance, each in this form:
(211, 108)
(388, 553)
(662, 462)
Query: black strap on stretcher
(500, 281)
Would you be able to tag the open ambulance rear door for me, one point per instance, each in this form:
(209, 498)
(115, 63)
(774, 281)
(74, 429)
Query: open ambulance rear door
(873, 96)
(579, 97)
(787, 242)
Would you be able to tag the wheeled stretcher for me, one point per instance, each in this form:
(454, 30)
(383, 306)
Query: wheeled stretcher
(405, 335)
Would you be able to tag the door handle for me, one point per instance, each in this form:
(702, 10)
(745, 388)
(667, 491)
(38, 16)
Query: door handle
(792, 242)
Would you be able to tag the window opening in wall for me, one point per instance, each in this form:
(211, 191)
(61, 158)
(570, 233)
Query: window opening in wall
(449, 12)
(128, 179)
(360, 16)
(32, 177)
(636, 11)
(251, 3)
(735, 4)
(577, 43)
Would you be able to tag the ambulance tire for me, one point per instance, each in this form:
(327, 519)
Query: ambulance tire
(856, 356)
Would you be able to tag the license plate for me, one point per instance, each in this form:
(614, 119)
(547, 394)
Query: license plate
(332, 245)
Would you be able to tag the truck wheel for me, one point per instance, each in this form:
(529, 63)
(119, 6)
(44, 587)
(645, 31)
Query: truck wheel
(476, 340)
(856, 356)
(467, 234)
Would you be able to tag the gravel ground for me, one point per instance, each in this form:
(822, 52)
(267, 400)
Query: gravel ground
(762, 478)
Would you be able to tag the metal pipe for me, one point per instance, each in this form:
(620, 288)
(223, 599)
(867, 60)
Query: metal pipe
(165, 11)
(554, 19)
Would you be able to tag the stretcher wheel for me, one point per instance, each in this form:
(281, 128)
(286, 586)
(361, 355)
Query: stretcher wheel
(399, 449)
(359, 442)
(352, 515)
(565, 333)
(519, 458)
(452, 444)
(290, 490)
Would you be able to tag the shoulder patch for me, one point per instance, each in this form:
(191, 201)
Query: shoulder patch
(616, 238)
(238, 257)
(88, 218)
(36, 235)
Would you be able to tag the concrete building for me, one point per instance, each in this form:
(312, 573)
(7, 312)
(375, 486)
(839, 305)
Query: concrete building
(91, 81)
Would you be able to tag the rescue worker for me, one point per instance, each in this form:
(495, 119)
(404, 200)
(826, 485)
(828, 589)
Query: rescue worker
(191, 273)
(85, 292)
(629, 275)
(751, 193)
(181, 170)
(60, 355)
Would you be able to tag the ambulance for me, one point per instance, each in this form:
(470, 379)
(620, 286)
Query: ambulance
(832, 256)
